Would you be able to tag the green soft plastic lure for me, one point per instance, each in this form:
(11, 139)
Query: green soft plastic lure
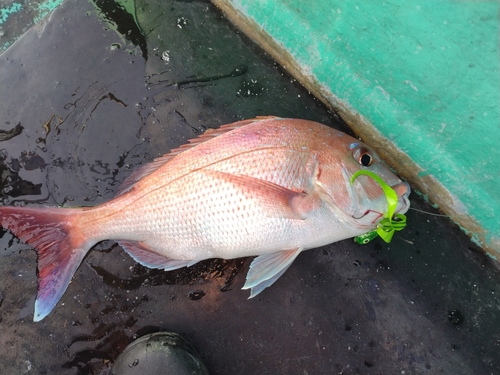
(391, 222)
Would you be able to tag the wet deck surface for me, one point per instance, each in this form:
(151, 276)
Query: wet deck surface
(97, 92)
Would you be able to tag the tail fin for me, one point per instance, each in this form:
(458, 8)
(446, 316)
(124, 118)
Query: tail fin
(60, 245)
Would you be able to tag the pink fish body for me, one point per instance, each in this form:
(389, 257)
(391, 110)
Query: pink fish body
(269, 187)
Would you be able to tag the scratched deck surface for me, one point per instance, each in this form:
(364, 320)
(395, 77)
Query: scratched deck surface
(96, 92)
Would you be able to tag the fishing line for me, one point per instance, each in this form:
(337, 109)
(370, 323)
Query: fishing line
(428, 213)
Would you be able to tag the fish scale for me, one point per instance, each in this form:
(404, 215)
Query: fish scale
(265, 187)
(206, 223)
(186, 228)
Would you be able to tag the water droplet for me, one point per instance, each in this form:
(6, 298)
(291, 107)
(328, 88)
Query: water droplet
(196, 295)
(165, 56)
(456, 317)
(181, 22)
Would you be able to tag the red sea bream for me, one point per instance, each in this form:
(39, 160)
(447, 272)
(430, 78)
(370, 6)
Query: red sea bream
(267, 187)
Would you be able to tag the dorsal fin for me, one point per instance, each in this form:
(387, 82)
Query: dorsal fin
(149, 168)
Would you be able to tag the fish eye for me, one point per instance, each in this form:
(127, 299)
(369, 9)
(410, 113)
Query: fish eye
(363, 157)
(366, 160)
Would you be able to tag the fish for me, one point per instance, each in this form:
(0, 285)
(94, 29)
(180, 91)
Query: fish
(267, 187)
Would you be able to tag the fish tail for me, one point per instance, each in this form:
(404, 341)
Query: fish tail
(60, 244)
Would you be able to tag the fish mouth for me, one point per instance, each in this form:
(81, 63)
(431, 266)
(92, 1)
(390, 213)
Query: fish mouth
(371, 217)
(403, 191)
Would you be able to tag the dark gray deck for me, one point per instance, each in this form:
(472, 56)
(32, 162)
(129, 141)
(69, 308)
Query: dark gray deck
(94, 105)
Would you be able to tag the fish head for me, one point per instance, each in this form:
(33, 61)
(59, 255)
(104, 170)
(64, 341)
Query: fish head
(362, 200)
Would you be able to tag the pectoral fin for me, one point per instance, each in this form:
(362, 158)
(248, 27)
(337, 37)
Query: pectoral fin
(141, 254)
(277, 200)
(267, 268)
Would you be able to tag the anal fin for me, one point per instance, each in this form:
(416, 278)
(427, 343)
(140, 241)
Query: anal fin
(141, 254)
(267, 268)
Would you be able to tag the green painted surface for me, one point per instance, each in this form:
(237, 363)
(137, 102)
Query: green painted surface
(425, 74)
(8, 11)
(16, 17)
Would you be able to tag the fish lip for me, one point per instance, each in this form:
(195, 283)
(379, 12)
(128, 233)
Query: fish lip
(403, 199)
(405, 205)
